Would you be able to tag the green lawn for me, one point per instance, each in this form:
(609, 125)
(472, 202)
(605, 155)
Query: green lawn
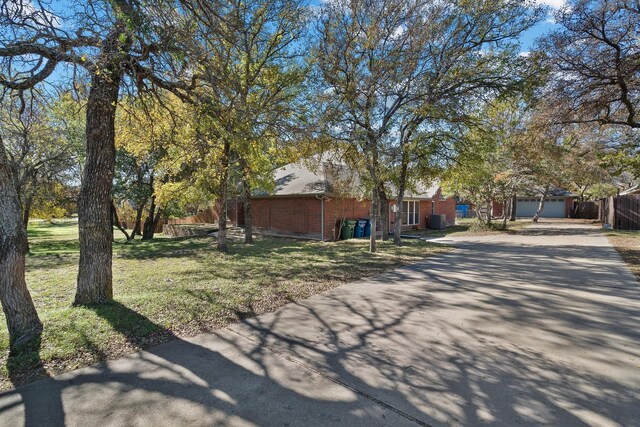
(174, 286)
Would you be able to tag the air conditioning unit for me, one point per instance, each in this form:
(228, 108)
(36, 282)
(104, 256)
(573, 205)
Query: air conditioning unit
(438, 221)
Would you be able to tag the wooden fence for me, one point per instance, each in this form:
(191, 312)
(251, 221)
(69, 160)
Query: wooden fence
(235, 213)
(587, 210)
(622, 212)
(208, 216)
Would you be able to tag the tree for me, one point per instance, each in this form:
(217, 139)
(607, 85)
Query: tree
(20, 313)
(110, 40)
(251, 74)
(391, 69)
(515, 148)
(595, 61)
(486, 170)
(148, 130)
(366, 63)
(41, 159)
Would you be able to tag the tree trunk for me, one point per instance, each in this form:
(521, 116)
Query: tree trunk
(397, 225)
(505, 212)
(402, 183)
(372, 149)
(536, 217)
(94, 284)
(223, 245)
(154, 224)
(512, 213)
(374, 219)
(248, 214)
(26, 211)
(384, 213)
(116, 221)
(22, 319)
(137, 228)
(149, 223)
(94, 202)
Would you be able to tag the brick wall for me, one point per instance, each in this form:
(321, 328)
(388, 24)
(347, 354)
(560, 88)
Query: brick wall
(446, 207)
(497, 209)
(301, 216)
(295, 216)
(568, 207)
(337, 209)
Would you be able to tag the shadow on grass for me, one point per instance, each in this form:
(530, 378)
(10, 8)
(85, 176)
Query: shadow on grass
(163, 248)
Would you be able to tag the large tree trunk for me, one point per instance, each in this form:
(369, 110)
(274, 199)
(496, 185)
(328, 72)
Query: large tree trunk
(512, 213)
(224, 183)
(248, 214)
(94, 201)
(536, 217)
(22, 319)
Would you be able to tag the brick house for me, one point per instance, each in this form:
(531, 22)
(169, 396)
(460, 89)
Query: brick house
(311, 202)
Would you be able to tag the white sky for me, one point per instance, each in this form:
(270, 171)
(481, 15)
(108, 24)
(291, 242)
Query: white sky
(556, 4)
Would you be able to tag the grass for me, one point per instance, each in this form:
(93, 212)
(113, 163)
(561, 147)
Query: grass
(627, 243)
(472, 227)
(174, 286)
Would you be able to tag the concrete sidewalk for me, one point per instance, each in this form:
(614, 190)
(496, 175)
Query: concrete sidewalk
(539, 328)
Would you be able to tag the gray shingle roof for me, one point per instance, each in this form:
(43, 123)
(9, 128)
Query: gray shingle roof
(327, 178)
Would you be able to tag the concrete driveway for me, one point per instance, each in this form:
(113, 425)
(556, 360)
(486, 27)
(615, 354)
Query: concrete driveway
(539, 328)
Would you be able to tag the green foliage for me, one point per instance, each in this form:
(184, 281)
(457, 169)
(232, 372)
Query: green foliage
(43, 153)
(400, 78)
(250, 98)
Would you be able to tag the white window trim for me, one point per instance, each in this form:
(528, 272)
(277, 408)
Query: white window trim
(411, 220)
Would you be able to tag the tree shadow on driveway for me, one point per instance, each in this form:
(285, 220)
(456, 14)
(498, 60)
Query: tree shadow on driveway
(492, 333)
(203, 381)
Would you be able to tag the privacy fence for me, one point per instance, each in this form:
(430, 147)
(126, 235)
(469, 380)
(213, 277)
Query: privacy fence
(621, 212)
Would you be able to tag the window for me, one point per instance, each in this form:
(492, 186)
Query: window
(411, 212)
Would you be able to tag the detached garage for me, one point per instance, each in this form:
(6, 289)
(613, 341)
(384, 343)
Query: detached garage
(554, 206)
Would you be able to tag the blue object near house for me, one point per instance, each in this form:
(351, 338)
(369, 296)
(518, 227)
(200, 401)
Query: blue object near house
(359, 230)
(464, 209)
(367, 229)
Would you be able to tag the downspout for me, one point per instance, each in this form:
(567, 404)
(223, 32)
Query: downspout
(321, 217)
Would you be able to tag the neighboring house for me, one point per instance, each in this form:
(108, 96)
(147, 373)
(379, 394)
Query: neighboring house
(311, 202)
(558, 204)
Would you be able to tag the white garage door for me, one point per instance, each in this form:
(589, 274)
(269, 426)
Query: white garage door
(553, 208)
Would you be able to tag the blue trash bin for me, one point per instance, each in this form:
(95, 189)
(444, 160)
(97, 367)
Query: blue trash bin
(367, 229)
(359, 230)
